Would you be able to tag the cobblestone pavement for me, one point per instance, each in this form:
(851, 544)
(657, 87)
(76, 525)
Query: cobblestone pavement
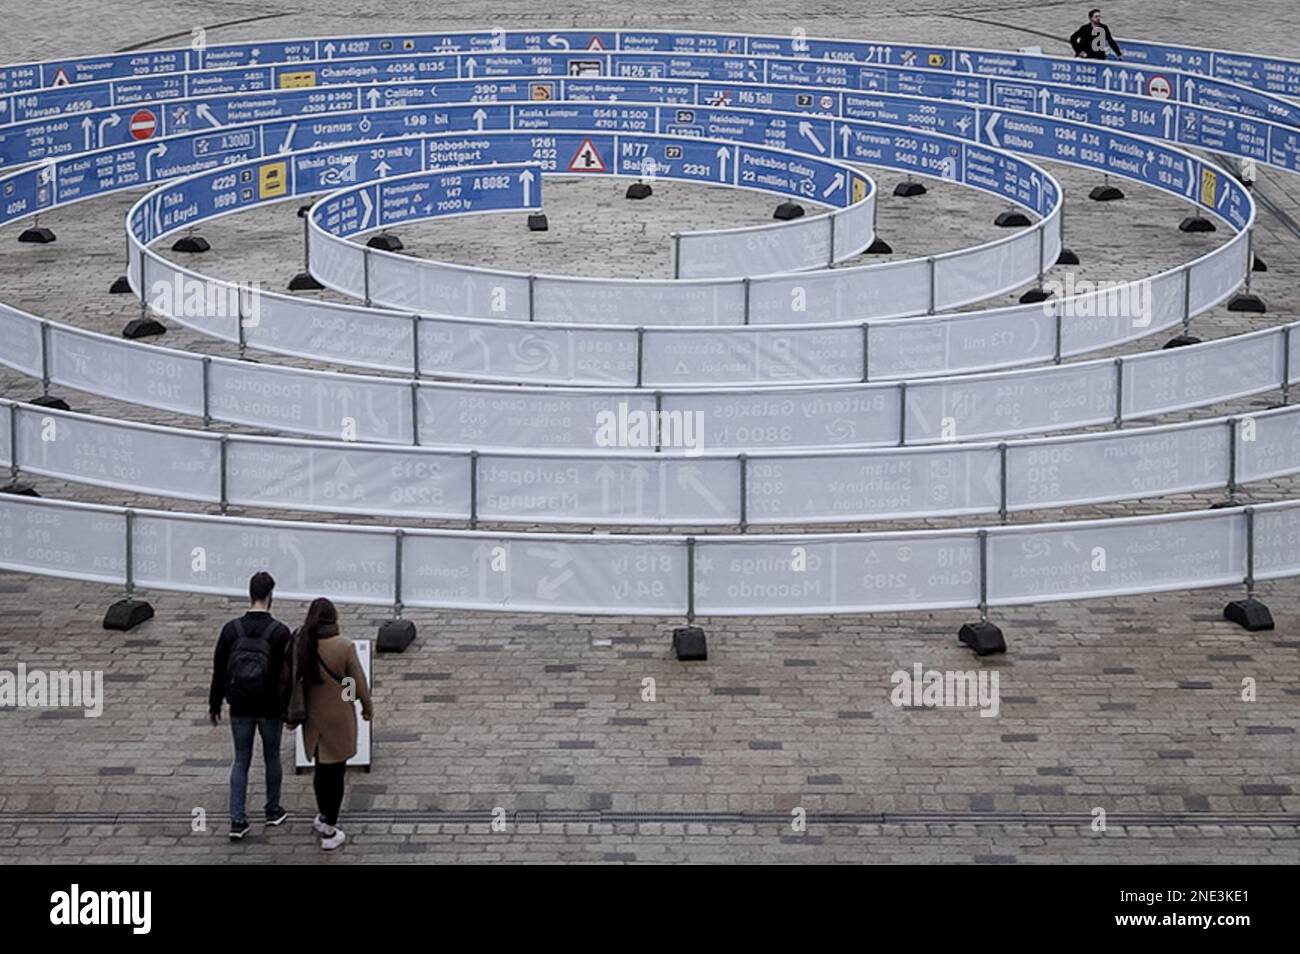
(1133, 706)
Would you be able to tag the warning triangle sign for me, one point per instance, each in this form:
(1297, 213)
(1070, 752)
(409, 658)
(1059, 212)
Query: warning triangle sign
(61, 78)
(587, 159)
(595, 44)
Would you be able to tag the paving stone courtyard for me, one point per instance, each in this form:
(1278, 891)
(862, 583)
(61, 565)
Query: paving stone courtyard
(1130, 705)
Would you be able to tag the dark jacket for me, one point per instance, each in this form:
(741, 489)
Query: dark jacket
(275, 696)
(1088, 41)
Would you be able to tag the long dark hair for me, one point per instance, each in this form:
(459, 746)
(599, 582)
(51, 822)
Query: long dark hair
(320, 614)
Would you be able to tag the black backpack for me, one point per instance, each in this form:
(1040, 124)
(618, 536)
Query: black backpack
(248, 667)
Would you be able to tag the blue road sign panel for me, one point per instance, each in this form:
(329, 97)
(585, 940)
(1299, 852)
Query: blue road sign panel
(428, 195)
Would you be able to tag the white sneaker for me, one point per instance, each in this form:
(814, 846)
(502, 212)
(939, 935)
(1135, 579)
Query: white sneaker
(331, 840)
(319, 824)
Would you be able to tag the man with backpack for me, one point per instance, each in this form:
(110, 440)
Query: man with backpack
(250, 671)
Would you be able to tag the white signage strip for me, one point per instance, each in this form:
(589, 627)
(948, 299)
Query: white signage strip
(776, 488)
(661, 576)
(398, 411)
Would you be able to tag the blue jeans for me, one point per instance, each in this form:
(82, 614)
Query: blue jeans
(243, 728)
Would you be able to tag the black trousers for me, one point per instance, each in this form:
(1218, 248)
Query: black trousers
(328, 784)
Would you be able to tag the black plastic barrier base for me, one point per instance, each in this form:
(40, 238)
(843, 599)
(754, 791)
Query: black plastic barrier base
(121, 286)
(191, 244)
(1035, 295)
(787, 211)
(690, 644)
(909, 190)
(1180, 341)
(126, 615)
(538, 223)
(1196, 223)
(385, 242)
(983, 637)
(1250, 614)
(395, 636)
(879, 247)
(1011, 219)
(37, 236)
(143, 328)
(639, 190)
(1258, 265)
(1067, 257)
(53, 403)
(1106, 193)
(19, 490)
(1247, 302)
(304, 281)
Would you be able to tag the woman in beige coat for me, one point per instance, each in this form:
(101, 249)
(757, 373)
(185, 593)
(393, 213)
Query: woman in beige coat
(332, 682)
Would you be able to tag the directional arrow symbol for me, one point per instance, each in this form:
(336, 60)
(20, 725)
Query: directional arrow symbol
(479, 117)
(836, 184)
(806, 130)
(526, 180)
(1168, 114)
(548, 588)
(723, 155)
(604, 477)
(205, 113)
(688, 478)
(108, 123)
(369, 208)
(157, 152)
(991, 130)
(476, 336)
(289, 547)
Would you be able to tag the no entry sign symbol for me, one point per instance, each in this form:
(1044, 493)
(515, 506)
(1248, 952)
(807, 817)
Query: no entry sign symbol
(143, 124)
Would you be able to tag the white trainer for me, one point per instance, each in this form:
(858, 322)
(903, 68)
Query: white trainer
(319, 824)
(330, 841)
